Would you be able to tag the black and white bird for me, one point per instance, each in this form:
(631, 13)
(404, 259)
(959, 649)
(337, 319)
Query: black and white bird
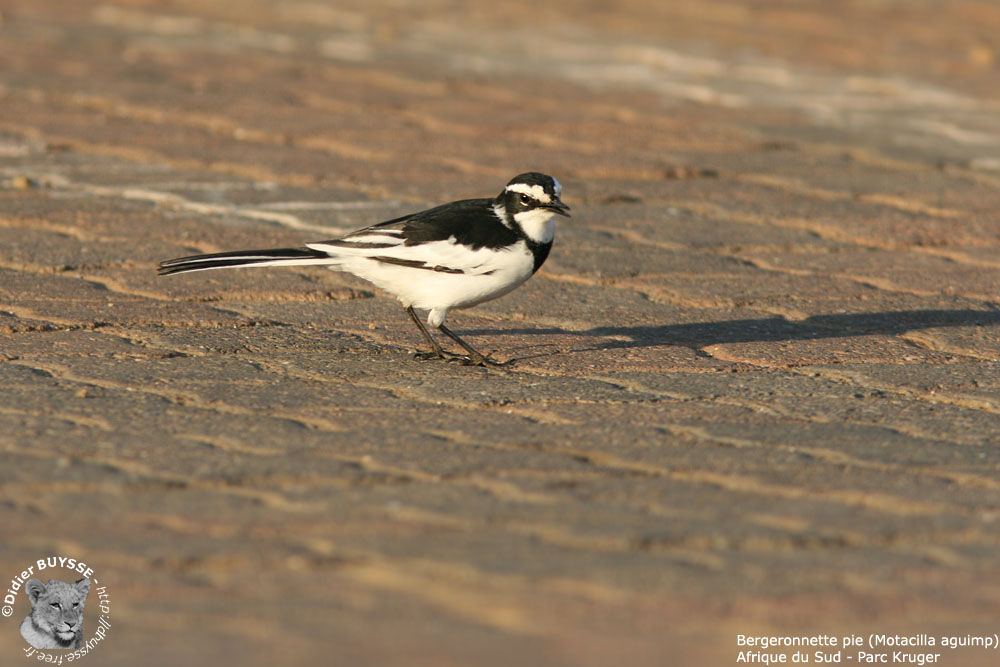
(452, 256)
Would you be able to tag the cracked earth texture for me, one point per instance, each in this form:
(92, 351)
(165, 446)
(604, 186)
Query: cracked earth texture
(755, 389)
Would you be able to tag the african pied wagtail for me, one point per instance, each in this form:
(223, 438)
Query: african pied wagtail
(452, 256)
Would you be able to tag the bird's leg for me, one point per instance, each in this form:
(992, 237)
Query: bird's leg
(436, 350)
(475, 357)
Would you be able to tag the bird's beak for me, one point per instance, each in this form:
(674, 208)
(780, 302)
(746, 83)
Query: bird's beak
(557, 206)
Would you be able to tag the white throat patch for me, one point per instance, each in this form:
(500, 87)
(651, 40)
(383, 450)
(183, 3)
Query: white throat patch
(537, 224)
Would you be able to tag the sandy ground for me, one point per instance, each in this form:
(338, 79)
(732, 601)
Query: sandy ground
(755, 390)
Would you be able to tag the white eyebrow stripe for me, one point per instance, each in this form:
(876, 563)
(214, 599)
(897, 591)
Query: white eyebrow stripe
(536, 192)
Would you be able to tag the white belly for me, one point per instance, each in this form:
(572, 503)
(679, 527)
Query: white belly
(491, 275)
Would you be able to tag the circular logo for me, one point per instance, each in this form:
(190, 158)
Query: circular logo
(64, 610)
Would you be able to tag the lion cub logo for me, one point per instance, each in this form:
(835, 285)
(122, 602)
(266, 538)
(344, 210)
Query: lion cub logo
(56, 618)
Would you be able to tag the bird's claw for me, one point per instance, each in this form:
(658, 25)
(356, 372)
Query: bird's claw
(461, 359)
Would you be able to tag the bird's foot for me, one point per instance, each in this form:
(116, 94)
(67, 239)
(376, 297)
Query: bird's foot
(479, 360)
(461, 359)
(434, 354)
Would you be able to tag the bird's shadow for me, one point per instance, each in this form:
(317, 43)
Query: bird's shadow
(772, 329)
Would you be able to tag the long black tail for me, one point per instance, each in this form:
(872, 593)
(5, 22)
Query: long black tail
(222, 260)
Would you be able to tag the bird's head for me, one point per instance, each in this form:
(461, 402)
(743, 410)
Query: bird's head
(530, 201)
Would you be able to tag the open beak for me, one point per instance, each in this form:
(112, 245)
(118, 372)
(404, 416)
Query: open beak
(558, 207)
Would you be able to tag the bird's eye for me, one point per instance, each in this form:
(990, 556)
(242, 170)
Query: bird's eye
(525, 199)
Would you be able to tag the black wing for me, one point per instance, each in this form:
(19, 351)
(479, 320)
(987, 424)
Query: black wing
(471, 222)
